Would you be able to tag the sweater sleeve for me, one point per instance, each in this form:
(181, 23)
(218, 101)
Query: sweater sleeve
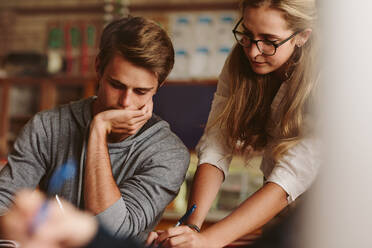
(104, 239)
(212, 148)
(26, 162)
(146, 194)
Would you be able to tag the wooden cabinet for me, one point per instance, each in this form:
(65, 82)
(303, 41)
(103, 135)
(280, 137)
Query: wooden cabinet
(4, 121)
(47, 93)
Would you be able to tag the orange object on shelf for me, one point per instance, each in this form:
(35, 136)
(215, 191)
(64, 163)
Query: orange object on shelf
(3, 162)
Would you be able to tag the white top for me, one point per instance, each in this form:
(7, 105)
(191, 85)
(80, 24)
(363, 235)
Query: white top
(294, 172)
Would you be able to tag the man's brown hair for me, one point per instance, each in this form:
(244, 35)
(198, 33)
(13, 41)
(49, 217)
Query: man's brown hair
(140, 41)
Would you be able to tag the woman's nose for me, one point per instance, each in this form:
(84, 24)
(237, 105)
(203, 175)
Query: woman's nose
(252, 51)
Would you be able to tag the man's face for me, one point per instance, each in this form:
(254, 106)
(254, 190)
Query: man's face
(125, 86)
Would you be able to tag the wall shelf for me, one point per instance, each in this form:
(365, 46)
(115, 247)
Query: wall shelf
(79, 80)
(154, 7)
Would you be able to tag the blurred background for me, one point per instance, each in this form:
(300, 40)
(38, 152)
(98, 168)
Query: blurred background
(47, 52)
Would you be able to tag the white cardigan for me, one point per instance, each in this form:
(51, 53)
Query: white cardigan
(294, 172)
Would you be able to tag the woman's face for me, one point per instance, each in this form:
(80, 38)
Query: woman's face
(265, 23)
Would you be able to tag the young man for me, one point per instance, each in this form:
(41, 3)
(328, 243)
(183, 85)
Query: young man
(129, 165)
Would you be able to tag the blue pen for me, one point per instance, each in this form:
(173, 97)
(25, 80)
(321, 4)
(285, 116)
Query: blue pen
(39, 217)
(186, 215)
(179, 222)
(61, 175)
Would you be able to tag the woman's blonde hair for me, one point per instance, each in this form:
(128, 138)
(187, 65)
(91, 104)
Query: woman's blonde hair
(246, 117)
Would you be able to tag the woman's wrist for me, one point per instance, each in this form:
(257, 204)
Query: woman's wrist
(194, 227)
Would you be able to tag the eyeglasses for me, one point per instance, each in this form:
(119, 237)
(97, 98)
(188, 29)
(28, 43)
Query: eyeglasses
(266, 47)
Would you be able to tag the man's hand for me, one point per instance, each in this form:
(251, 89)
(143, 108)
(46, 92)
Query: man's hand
(121, 123)
(100, 188)
(152, 237)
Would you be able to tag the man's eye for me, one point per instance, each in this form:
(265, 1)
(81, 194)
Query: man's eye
(115, 85)
(140, 92)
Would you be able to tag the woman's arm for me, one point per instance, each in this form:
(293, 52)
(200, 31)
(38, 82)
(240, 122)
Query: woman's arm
(248, 217)
(252, 214)
(206, 183)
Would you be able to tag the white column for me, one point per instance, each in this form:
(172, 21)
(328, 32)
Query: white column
(339, 211)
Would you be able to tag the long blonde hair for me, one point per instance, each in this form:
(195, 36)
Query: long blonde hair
(247, 112)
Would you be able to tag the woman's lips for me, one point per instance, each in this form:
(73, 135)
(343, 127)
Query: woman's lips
(258, 63)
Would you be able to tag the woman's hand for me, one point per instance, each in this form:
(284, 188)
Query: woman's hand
(179, 237)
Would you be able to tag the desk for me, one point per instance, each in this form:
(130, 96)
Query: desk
(170, 218)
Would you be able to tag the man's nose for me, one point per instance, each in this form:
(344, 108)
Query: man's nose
(125, 98)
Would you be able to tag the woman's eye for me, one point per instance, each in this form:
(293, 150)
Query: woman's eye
(245, 38)
(270, 42)
(248, 36)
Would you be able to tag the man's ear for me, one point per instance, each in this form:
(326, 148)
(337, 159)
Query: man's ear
(303, 37)
(159, 83)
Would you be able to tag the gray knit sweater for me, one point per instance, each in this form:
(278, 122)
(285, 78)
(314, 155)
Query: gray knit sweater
(148, 167)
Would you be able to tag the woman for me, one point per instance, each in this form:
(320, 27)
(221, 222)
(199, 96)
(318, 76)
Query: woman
(261, 104)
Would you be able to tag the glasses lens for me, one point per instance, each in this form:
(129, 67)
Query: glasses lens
(242, 39)
(265, 47)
